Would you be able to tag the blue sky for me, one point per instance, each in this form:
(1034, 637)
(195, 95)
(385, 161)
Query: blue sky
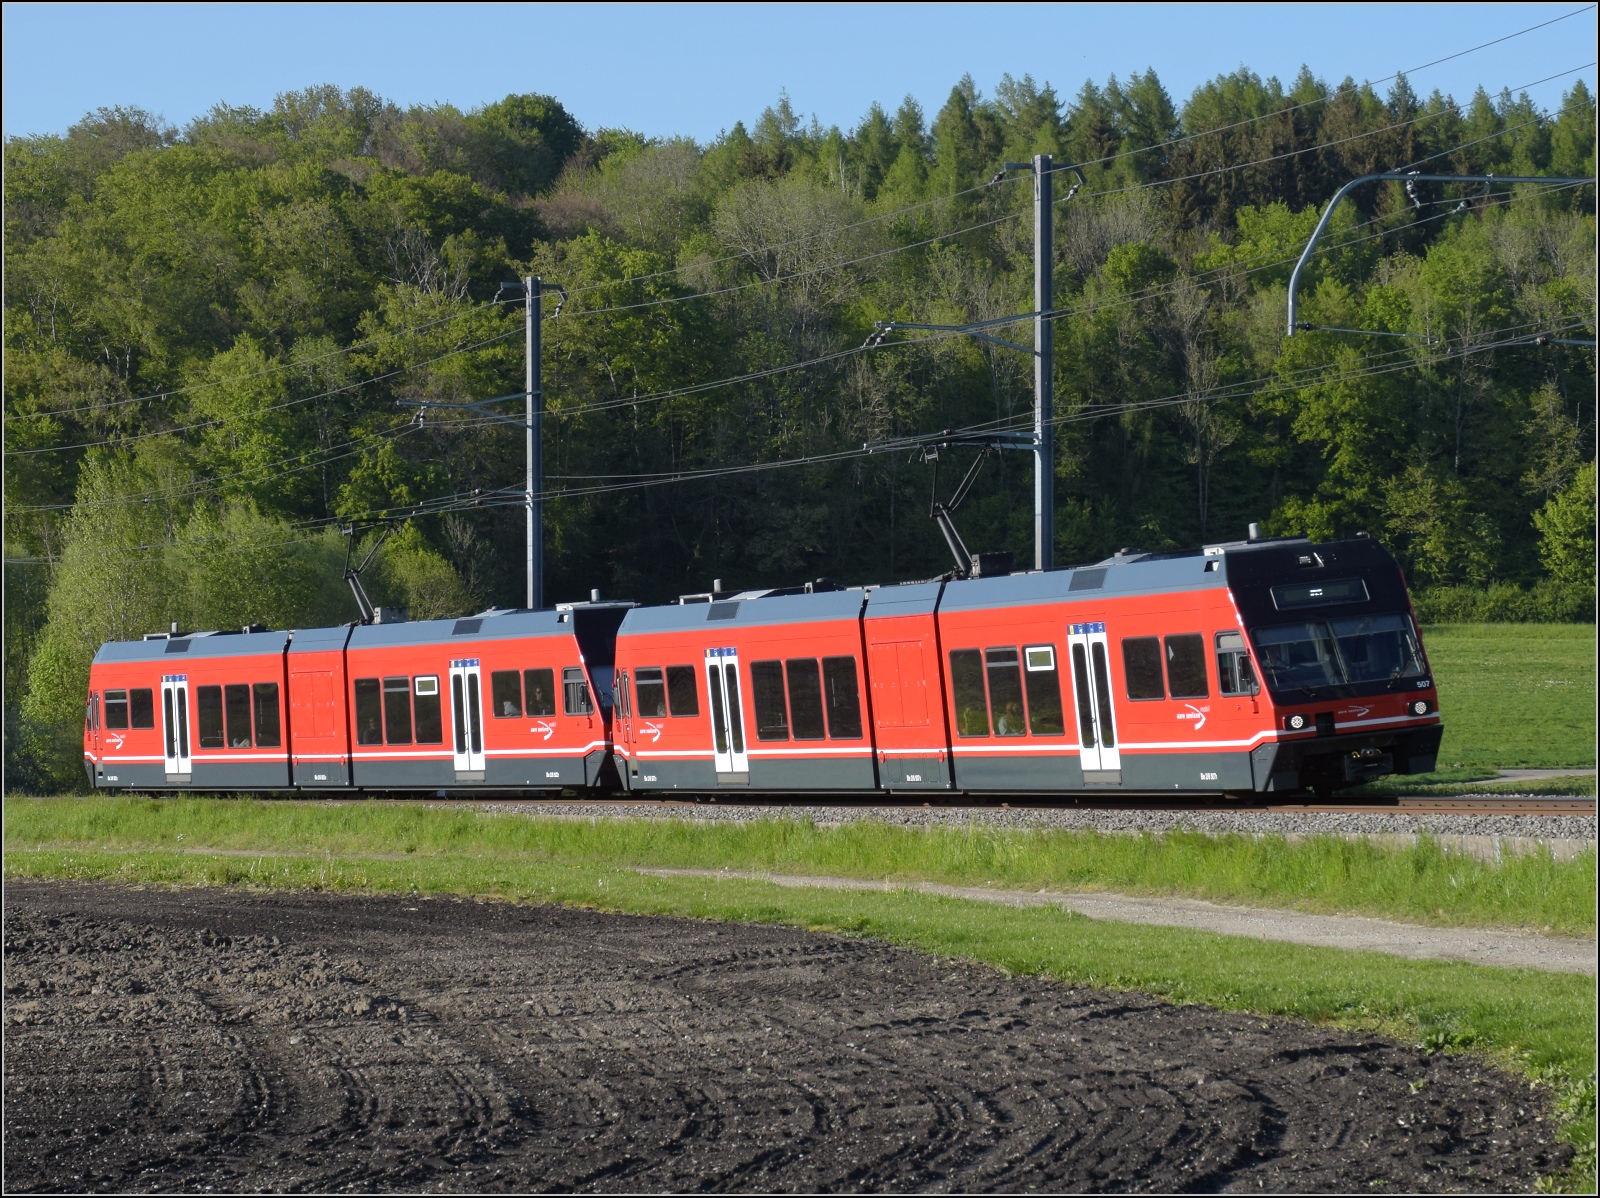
(695, 69)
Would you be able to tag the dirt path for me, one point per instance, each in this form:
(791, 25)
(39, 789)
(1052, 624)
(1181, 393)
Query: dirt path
(225, 1039)
(1481, 946)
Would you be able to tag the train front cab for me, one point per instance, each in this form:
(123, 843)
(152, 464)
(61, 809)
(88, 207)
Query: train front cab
(203, 711)
(755, 691)
(1347, 681)
(504, 701)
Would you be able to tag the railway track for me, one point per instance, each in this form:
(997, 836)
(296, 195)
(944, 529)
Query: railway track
(1402, 805)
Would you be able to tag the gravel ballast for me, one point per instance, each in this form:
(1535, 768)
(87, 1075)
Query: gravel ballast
(1548, 828)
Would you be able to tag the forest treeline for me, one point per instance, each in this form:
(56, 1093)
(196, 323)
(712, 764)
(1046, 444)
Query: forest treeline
(217, 340)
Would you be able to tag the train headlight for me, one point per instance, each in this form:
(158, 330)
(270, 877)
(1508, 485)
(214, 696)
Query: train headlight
(1420, 707)
(1295, 723)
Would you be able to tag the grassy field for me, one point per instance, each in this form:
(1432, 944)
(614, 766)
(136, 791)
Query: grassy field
(1420, 883)
(1515, 695)
(1537, 1023)
(1474, 782)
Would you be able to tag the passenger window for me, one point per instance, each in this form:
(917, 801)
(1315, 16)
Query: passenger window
(143, 704)
(237, 697)
(805, 697)
(766, 688)
(369, 712)
(116, 709)
(682, 692)
(430, 727)
(541, 688)
(1235, 674)
(844, 697)
(1005, 692)
(575, 689)
(208, 703)
(397, 710)
(1186, 667)
(966, 680)
(269, 734)
(505, 687)
(1044, 690)
(1141, 662)
(651, 689)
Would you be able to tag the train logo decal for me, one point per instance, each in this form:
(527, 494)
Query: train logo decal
(1358, 711)
(653, 731)
(540, 726)
(115, 738)
(1196, 714)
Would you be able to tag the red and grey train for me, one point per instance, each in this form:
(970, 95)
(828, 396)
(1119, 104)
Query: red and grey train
(1259, 666)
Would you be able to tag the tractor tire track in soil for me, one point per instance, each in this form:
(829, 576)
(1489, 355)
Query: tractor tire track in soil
(227, 1039)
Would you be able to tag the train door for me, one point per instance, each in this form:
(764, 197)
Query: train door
(466, 706)
(92, 723)
(727, 718)
(175, 726)
(622, 723)
(1091, 694)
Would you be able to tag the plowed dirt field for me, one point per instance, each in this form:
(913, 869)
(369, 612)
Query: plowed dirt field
(228, 1039)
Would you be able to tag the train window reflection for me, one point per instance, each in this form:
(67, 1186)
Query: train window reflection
(1005, 692)
(142, 701)
(369, 712)
(505, 689)
(117, 709)
(397, 710)
(1339, 652)
(269, 733)
(1044, 691)
(844, 697)
(972, 704)
(541, 688)
(682, 693)
(575, 688)
(238, 709)
(430, 722)
(1235, 674)
(1141, 664)
(208, 702)
(766, 689)
(650, 689)
(805, 697)
(1186, 667)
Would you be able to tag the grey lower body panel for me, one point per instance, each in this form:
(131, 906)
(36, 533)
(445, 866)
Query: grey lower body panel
(322, 775)
(241, 775)
(789, 774)
(426, 773)
(131, 775)
(812, 773)
(914, 773)
(672, 773)
(1018, 771)
(1187, 771)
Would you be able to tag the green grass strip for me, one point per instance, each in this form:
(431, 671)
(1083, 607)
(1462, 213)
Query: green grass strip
(1421, 882)
(1539, 1023)
(1515, 695)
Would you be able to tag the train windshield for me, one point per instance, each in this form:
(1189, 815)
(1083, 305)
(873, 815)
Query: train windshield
(1322, 653)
